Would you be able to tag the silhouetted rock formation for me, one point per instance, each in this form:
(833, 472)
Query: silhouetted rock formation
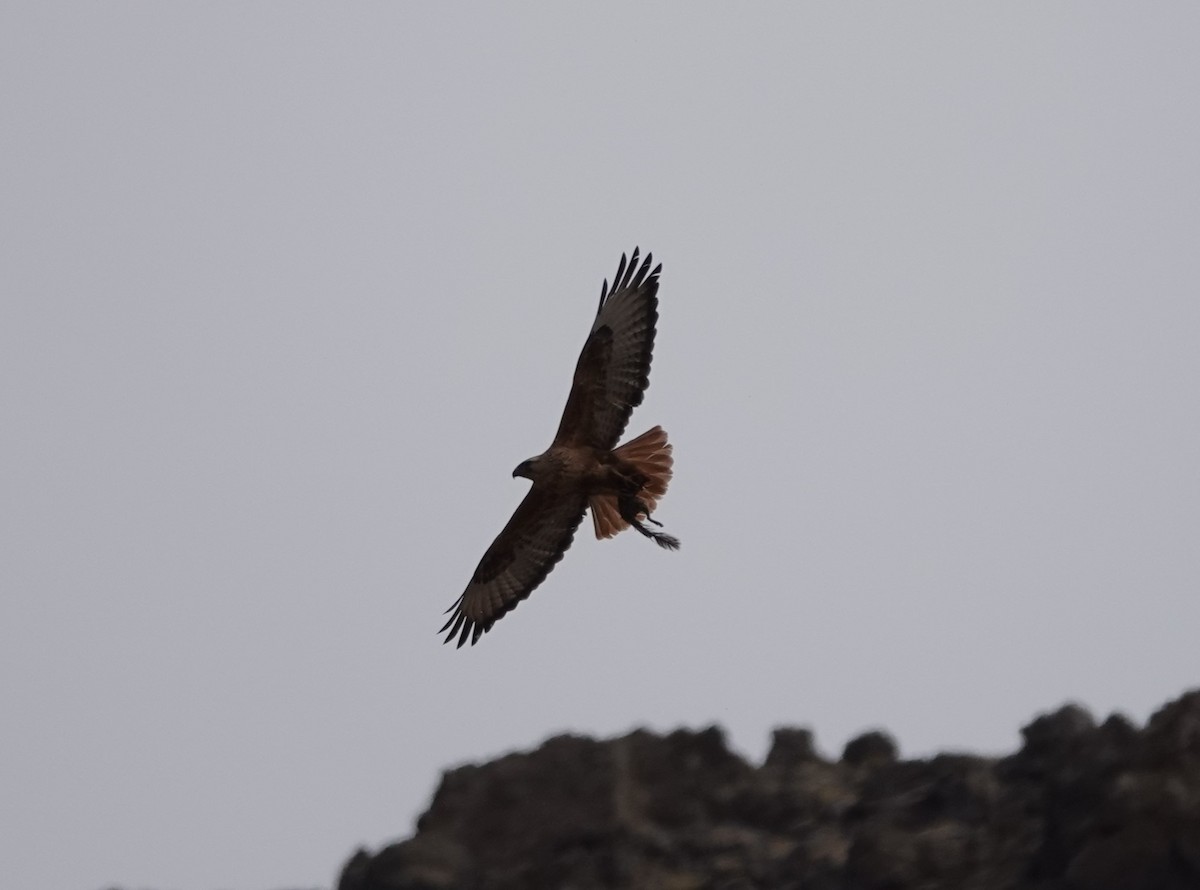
(1079, 807)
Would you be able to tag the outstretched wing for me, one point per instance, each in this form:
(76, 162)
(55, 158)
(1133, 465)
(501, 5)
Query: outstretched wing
(613, 370)
(520, 558)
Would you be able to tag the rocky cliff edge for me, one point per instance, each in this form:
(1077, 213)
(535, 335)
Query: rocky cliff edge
(1081, 806)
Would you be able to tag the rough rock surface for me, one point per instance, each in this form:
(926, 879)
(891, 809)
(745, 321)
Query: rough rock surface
(1079, 806)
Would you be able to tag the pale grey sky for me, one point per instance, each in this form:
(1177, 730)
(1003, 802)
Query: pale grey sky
(288, 290)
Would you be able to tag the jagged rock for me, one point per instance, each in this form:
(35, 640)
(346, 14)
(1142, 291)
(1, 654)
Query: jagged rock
(791, 748)
(870, 749)
(1080, 806)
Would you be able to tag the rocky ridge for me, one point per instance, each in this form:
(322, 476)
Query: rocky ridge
(1081, 806)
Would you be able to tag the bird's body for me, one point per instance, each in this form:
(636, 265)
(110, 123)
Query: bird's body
(582, 468)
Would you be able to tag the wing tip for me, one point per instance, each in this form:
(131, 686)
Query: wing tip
(460, 626)
(629, 274)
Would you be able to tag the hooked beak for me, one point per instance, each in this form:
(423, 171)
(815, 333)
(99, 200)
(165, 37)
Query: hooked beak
(522, 470)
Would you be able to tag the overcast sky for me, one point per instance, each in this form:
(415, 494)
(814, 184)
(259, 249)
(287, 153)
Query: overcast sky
(288, 291)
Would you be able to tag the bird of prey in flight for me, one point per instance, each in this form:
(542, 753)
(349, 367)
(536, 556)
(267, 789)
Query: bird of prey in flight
(583, 467)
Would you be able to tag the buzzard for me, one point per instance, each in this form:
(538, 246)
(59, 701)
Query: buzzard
(582, 468)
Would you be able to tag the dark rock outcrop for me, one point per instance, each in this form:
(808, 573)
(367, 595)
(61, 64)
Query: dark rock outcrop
(1078, 807)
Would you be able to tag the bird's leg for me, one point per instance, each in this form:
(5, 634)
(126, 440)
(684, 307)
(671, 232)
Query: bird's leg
(630, 506)
(667, 542)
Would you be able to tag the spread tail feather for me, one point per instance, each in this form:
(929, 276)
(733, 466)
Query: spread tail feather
(651, 454)
(605, 516)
